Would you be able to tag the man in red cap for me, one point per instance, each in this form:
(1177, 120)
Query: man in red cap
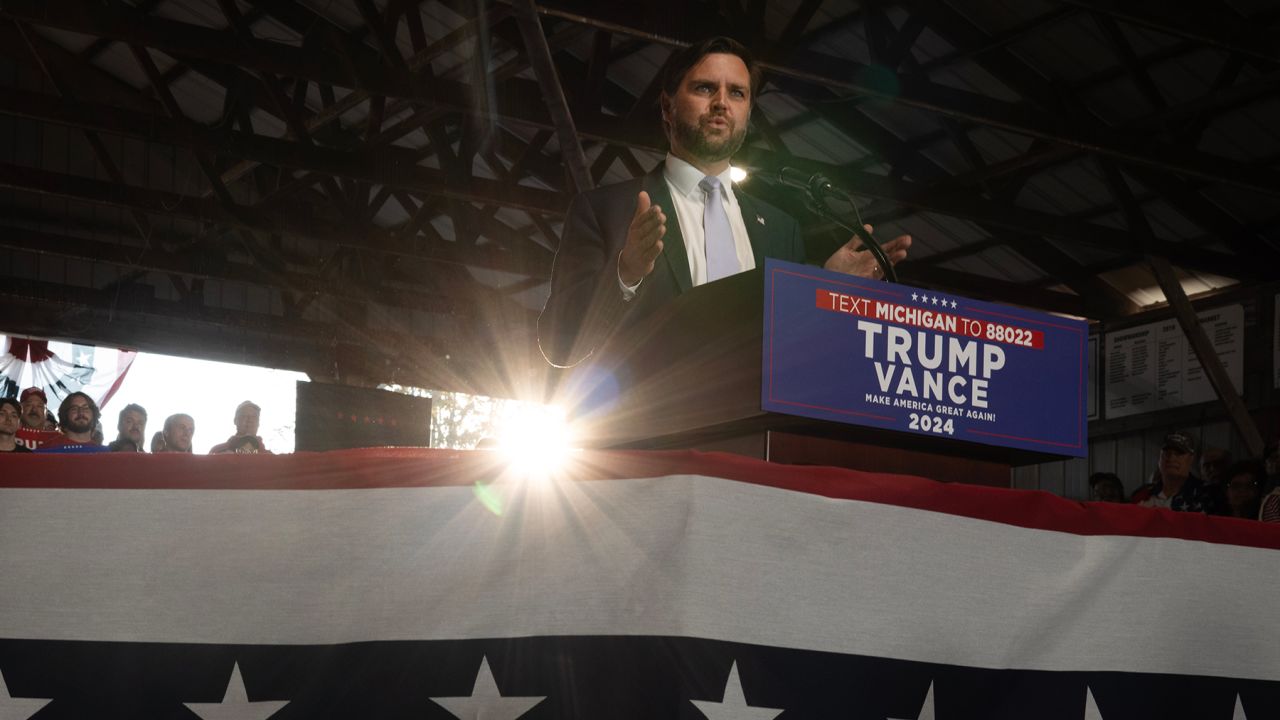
(35, 430)
(246, 440)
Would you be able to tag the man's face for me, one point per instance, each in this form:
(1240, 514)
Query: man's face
(1108, 491)
(1174, 463)
(133, 426)
(247, 421)
(178, 436)
(707, 117)
(1241, 490)
(33, 412)
(10, 419)
(1213, 464)
(79, 415)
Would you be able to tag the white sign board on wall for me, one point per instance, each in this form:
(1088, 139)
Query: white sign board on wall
(1153, 367)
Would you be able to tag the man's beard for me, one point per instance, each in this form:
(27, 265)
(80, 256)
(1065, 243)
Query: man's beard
(33, 421)
(696, 140)
(79, 426)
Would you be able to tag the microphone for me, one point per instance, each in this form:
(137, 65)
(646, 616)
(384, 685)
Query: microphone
(818, 187)
(816, 184)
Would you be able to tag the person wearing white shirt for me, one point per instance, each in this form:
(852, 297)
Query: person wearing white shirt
(621, 257)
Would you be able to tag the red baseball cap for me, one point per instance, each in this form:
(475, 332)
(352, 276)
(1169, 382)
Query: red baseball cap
(33, 391)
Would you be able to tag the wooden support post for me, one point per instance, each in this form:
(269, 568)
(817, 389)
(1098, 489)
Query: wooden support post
(1213, 369)
(539, 56)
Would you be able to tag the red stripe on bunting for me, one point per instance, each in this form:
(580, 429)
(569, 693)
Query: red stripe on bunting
(416, 467)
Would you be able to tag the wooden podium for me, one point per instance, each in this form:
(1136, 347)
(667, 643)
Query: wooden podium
(690, 377)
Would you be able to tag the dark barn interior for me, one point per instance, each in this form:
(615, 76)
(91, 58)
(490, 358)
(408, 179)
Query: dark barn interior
(372, 190)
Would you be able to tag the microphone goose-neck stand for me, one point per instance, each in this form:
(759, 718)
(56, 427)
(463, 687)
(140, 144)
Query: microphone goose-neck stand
(817, 190)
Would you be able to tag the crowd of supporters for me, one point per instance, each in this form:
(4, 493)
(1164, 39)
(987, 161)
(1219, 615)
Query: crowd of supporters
(1243, 489)
(28, 425)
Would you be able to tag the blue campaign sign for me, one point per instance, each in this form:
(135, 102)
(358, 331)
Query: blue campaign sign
(868, 353)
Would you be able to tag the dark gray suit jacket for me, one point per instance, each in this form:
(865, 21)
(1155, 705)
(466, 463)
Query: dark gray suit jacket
(586, 304)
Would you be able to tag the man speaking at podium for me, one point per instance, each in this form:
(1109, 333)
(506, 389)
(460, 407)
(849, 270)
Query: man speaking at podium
(631, 247)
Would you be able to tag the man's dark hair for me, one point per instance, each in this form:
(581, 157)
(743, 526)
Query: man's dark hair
(683, 60)
(1101, 477)
(135, 407)
(66, 405)
(12, 401)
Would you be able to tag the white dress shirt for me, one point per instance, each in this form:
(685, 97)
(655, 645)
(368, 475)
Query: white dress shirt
(690, 201)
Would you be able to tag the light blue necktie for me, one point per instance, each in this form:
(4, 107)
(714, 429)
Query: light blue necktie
(722, 256)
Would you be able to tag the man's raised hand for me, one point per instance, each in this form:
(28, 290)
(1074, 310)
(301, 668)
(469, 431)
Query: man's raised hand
(853, 259)
(644, 241)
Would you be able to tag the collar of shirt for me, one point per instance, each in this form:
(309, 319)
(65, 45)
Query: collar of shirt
(685, 178)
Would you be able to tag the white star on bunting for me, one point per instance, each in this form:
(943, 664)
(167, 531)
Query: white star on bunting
(485, 701)
(953, 304)
(12, 708)
(915, 297)
(926, 710)
(235, 703)
(935, 300)
(734, 705)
